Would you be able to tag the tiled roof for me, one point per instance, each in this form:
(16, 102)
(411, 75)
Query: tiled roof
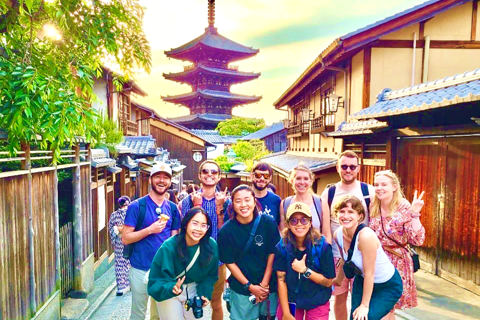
(214, 137)
(141, 146)
(357, 127)
(435, 94)
(229, 72)
(212, 94)
(204, 116)
(211, 38)
(100, 158)
(265, 132)
(286, 162)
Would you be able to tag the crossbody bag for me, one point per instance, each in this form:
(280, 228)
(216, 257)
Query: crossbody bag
(409, 249)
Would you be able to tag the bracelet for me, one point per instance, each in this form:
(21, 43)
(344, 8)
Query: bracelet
(415, 215)
(306, 268)
(197, 204)
(267, 287)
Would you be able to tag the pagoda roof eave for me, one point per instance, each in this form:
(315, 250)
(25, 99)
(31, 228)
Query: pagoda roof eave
(238, 75)
(212, 95)
(213, 40)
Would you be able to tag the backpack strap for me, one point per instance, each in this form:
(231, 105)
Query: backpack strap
(252, 235)
(286, 203)
(366, 195)
(354, 239)
(190, 265)
(317, 252)
(142, 210)
(331, 195)
(317, 201)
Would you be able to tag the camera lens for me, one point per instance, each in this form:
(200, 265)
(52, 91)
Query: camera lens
(252, 299)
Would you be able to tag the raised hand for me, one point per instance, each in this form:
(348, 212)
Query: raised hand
(205, 301)
(417, 203)
(197, 197)
(299, 265)
(177, 288)
(221, 197)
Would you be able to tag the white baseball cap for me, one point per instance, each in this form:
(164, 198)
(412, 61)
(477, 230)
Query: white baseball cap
(161, 167)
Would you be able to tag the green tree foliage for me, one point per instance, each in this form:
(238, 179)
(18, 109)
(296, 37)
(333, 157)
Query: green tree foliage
(240, 126)
(107, 133)
(223, 163)
(46, 82)
(250, 151)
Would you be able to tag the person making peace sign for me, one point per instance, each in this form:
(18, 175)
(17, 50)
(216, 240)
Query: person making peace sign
(395, 226)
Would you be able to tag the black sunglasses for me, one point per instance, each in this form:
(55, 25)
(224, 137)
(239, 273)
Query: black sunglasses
(211, 171)
(345, 167)
(258, 175)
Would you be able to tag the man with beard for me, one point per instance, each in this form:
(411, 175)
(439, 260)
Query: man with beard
(348, 167)
(212, 202)
(261, 176)
(161, 220)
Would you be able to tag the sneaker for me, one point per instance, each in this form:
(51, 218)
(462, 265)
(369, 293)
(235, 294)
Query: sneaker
(119, 293)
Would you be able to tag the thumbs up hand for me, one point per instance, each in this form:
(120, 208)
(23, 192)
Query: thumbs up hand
(299, 265)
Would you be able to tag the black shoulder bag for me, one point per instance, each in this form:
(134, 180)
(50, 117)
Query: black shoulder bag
(128, 249)
(349, 268)
(410, 250)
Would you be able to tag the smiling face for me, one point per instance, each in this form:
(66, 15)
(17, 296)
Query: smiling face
(207, 177)
(160, 183)
(196, 228)
(258, 179)
(348, 217)
(344, 168)
(303, 182)
(299, 230)
(384, 188)
(243, 204)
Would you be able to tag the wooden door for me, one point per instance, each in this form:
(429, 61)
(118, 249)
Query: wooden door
(421, 166)
(448, 169)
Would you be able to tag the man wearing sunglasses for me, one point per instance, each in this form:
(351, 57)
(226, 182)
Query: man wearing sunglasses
(212, 202)
(348, 167)
(161, 220)
(261, 176)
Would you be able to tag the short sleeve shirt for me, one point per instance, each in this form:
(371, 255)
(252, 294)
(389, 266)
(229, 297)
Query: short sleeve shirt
(234, 236)
(145, 249)
(271, 205)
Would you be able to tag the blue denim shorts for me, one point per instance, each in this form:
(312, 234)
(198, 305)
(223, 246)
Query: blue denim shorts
(242, 309)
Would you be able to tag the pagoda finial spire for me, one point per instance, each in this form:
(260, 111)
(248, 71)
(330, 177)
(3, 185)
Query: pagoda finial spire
(211, 13)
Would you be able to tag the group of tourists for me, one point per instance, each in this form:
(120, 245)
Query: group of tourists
(286, 258)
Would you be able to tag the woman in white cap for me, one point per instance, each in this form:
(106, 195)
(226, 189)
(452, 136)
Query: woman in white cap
(305, 268)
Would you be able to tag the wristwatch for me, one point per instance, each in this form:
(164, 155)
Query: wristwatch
(307, 273)
(247, 285)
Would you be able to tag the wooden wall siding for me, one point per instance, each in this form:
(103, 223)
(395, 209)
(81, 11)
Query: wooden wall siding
(43, 204)
(180, 149)
(473, 35)
(461, 228)
(284, 189)
(14, 259)
(231, 183)
(87, 223)
(367, 73)
(144, 184)
(277, 142)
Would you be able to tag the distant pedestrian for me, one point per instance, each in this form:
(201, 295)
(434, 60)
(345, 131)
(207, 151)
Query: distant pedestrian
(161, 220)
(397, 228)
(115, 229)
(183, 192)
(172, 197)
(185, 269)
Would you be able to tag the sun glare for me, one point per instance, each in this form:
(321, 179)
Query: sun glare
(51, 32)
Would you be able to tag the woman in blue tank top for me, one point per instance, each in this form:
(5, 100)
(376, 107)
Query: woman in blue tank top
(377, 286)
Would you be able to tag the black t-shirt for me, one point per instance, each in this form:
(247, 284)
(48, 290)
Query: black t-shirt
(310, 295)
(233, 238)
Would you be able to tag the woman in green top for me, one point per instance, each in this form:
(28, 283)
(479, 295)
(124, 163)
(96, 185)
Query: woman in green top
(185, 268)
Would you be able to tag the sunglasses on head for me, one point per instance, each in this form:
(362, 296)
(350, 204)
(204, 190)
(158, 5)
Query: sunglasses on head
(158, 211)
(345, 167)
(209, 171)
(294, 221)
(258, 175)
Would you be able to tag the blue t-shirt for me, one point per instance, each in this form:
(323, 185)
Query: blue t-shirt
(271, 205)
(310, 295)
(145, 249)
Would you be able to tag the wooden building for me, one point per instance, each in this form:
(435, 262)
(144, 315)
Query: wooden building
(210, 75)
(430, 41)
(430, 135)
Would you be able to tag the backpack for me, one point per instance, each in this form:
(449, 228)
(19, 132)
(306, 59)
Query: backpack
(316, 201)
(365, 193)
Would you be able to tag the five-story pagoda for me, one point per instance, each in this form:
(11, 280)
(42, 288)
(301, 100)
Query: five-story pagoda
(210, 77)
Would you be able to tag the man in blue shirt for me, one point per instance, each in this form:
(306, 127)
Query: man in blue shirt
(151, 234)
(261, 176)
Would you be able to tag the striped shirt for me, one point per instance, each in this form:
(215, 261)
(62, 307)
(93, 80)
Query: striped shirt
(210, 208)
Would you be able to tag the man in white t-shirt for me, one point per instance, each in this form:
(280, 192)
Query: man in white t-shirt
(348, 166)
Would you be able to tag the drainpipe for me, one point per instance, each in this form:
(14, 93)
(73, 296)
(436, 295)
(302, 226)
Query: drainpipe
(345, 76)
(426, 58)
(414, 56)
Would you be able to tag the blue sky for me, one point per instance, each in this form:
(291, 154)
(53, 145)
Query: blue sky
(290, 35)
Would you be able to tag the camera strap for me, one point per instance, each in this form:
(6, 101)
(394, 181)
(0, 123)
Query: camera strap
(190, 265)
